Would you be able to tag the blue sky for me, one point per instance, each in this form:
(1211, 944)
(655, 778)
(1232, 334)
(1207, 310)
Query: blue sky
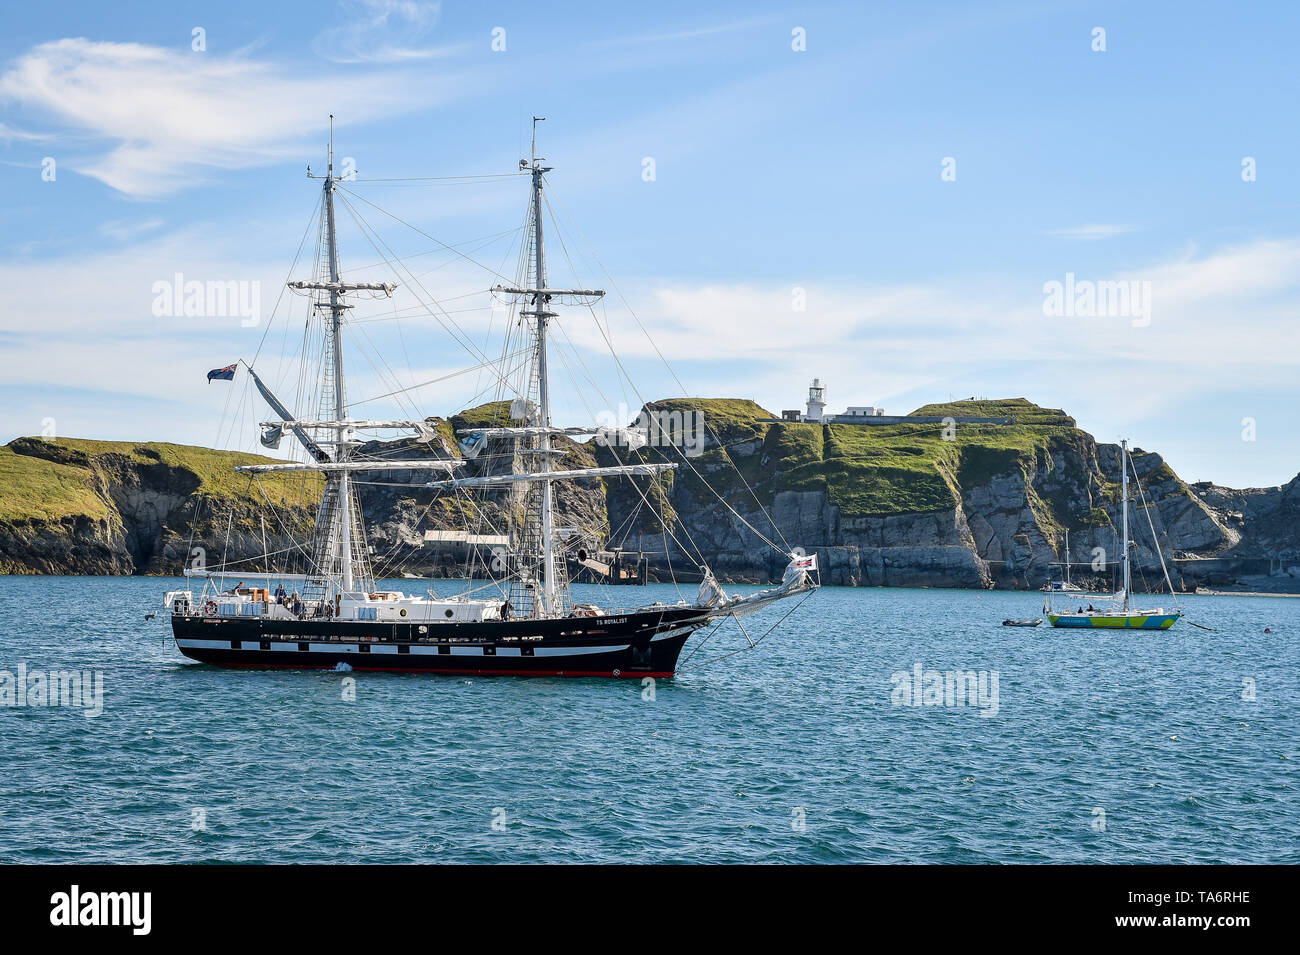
(775, 170)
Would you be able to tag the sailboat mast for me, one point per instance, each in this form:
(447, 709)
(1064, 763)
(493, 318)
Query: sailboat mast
(343, 508)
(542, 314)
(1067, 557)
(1123, 464)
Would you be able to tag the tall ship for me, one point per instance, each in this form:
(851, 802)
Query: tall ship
(1114, 611)
(317, 604)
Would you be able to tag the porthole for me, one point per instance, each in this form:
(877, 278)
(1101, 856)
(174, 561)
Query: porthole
(402, 612)
(450, 613)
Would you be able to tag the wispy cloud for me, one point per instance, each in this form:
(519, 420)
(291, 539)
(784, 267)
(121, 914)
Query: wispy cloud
(122, 229)
(381, 31)
(1092, 232)
(10, 134)
(169, 118)
(684, 34)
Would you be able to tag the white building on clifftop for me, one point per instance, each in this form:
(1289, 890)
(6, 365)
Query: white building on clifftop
(817, 408)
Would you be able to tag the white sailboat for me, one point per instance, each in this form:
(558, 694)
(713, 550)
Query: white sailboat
(1118, 610)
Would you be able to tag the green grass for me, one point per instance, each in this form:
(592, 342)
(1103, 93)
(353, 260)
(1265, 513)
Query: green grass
(888, 469)
(35, 489)
(494, 414)
(882, 470)
(1022, 409)
(870, 470)
(58, 477)
(445, 430)
(730, 420)
(795, 453)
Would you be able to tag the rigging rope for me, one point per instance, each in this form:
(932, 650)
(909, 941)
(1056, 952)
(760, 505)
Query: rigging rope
(1154, 539)
(685, 459)
(752, 643)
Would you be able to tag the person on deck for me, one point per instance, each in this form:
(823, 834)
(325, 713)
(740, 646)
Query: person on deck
(279, 593)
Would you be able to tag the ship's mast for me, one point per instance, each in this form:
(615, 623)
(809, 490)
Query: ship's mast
(543, 315)
(337, 547)
(536, 310)
(1067, 557)
(344, 500)
(1123, 465)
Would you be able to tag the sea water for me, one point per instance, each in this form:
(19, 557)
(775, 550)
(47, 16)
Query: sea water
(873, 725)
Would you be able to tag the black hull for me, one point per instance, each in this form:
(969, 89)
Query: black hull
(640, 644)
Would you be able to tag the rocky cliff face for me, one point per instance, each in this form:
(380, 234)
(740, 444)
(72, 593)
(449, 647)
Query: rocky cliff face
(70, 506)
(106, 507)
(975, 505)
(972, 505)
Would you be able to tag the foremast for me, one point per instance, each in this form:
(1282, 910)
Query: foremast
(542, 314)
(340, 557)
(338, 520)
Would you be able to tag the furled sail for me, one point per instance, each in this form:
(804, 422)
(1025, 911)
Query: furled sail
(278, 407)
(795, 580)
(273, 430)
(605, 435)
(271, 435)
(711, 591)
(421, 426)
(349, 466)
(472, 445)
(626, 470)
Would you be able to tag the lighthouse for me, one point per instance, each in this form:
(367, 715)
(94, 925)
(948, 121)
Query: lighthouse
(816, 400)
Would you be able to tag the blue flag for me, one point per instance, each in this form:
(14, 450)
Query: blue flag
(225, 374)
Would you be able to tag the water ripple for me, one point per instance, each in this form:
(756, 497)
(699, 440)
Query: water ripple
(1105, 747)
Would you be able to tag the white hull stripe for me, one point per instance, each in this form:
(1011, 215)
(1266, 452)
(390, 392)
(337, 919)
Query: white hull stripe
(391, 648)
(574, 651)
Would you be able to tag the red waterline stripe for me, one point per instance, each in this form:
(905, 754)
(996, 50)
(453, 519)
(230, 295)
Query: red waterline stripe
(658, 674)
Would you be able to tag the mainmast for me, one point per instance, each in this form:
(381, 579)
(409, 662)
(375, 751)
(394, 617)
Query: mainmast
(543, 316)
(537, 309)
(1123, 463)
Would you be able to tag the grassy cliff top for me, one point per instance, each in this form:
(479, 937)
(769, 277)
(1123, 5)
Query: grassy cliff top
(1022, 409)
(869, 470)
(58, 477)
(732, 410)
(881, 470)
(36, 489)
(733, 417)
(493, 414)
